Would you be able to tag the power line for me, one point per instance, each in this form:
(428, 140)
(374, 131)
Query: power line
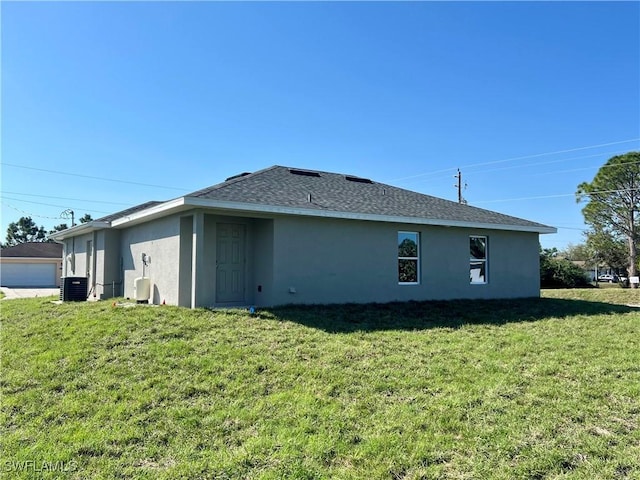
(2, 198)
(28, 214)
(557, 172)
(539, 197)
(617, 152)
(583, 168)
(572, 228)
(554, 153)
(552, 172)
(58, 172)
(536, 164)
(516, 158)
(63, 198)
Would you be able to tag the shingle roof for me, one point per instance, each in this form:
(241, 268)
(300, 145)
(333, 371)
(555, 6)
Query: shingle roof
(317, 190)
(128, 211)
(33, 250)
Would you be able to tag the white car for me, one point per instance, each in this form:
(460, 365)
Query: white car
(607, 277)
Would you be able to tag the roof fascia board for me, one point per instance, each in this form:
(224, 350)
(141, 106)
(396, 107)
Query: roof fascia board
(194, 202)
(255, 207)
(149, 213)
(81, 229)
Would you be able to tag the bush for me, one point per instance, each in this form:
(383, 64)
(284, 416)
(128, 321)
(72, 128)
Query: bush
(561, 273)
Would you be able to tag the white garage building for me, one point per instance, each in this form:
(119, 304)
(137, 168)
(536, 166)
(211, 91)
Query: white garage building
(33, 264)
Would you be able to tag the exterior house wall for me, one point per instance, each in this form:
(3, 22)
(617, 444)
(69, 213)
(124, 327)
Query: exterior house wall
(332, 261)
(101, 265)
(512, 271)
(517, 263)
(263, 261)
(159, 239)
(294, 259)
(79, 259)
(108, 264)
(207, 275)
(185, 259)
(76, 258)
(257, 255)
(336, 261)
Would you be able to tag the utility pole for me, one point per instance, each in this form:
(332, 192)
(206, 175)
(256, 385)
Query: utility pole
(458, 185)
(66, 214)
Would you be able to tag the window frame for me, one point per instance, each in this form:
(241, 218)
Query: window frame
(416, 258)
(484, 260)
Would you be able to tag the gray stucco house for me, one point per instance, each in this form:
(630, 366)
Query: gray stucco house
(285, 235)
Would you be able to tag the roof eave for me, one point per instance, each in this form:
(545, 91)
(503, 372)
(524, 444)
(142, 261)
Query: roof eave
(151, 213)
(254, 207)
(81, 229)
(185, 203)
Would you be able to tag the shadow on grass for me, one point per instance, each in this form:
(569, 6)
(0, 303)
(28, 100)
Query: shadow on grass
(437, 314)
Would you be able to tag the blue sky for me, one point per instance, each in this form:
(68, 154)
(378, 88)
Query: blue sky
(149, 101)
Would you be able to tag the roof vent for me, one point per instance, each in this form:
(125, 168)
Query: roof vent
(357, 179)
(243, 174)
(306, 173)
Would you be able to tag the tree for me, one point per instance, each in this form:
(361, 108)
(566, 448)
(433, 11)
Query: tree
(579, 252)
(24, 230)
(63, 226)
(608, 250)
(408, 248)
(558, 272)
(613, 200)
(59, 228)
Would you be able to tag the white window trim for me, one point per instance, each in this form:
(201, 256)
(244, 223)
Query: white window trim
(417, 258)
(485, 260)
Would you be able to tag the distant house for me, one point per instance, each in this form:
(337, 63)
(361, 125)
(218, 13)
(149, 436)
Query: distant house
(594, 271)
(286, 235)
(589, 270)
(32, 264)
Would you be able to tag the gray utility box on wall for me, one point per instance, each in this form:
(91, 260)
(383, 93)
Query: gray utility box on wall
(73, 289)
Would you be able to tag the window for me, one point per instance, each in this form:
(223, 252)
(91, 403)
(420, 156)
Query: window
(408, 257)
(478, 260)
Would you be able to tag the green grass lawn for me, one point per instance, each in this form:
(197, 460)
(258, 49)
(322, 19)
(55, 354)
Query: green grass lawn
(529, 389)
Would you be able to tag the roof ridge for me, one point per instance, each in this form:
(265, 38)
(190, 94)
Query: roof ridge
(230, 181)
